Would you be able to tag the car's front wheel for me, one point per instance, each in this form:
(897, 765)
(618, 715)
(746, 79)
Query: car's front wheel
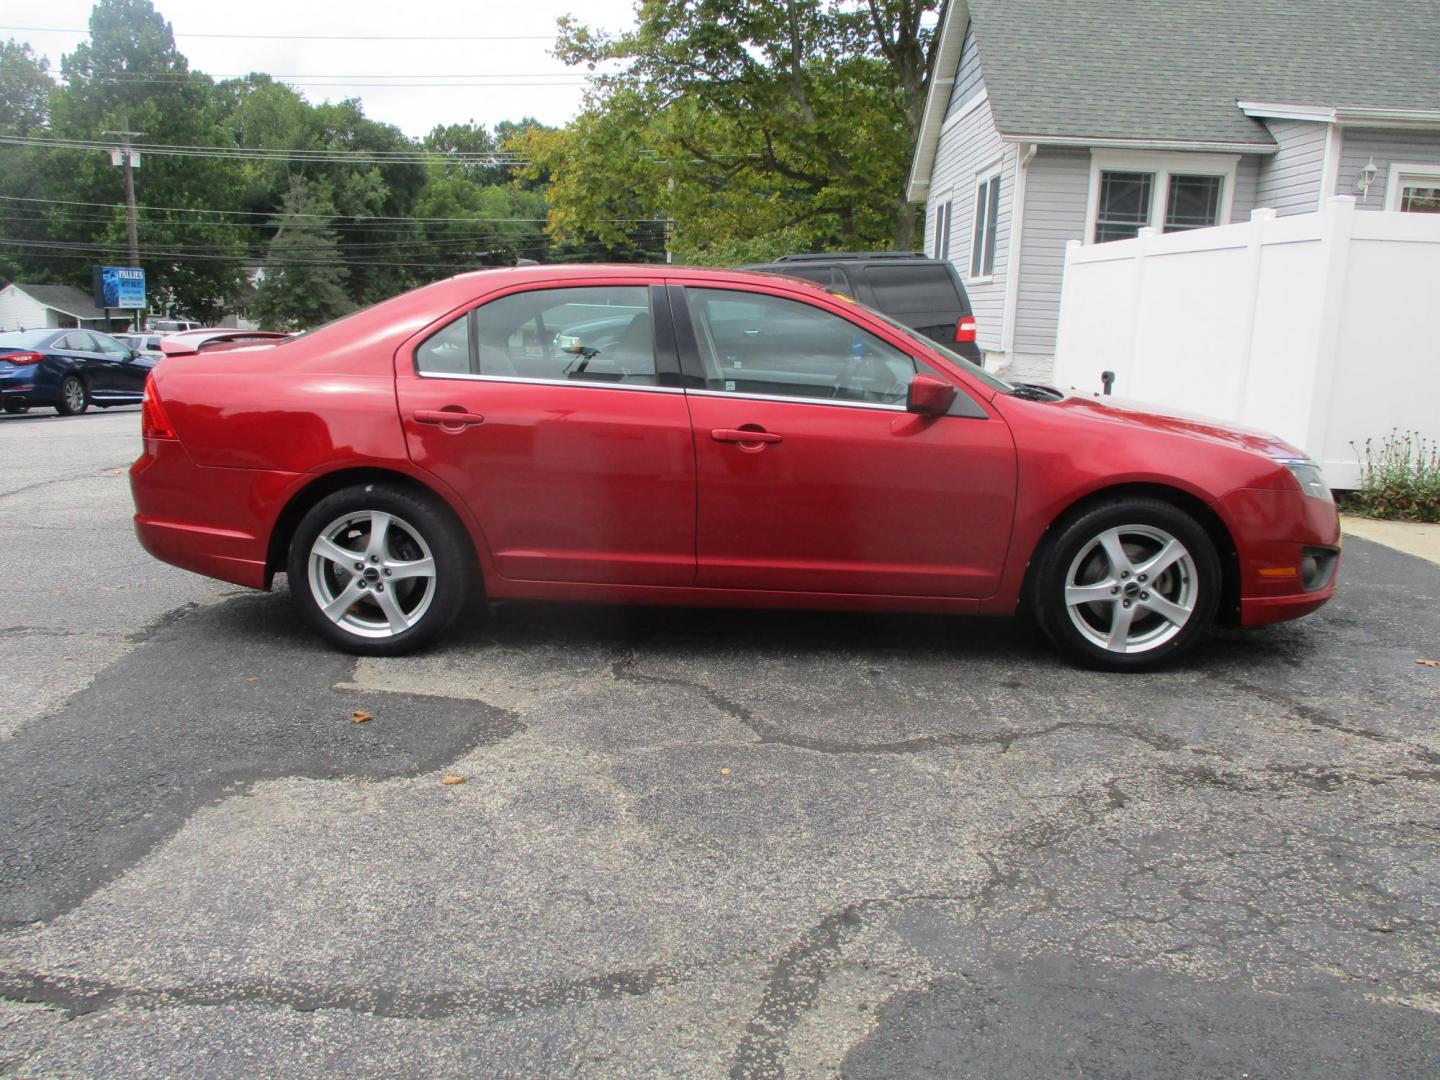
(1128, 585)
(74, 397)
(379, 570)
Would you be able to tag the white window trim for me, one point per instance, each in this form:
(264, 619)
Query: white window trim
(1163, 166)
(947, 196)
(983, 176)
(1399, 173)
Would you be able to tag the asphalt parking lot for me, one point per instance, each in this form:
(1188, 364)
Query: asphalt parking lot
(693, 843)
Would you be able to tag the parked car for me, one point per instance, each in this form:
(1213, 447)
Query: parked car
(209, 339)
(172, 326)
(746, 440)
(144, 344)
(923, 293)
(69, 370)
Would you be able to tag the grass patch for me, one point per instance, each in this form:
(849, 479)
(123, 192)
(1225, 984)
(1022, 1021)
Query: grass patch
(1400, 479)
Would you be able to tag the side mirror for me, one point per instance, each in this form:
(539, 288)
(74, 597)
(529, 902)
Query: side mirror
(929, 396)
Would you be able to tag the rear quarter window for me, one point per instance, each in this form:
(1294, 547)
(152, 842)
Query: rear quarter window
(906, 290)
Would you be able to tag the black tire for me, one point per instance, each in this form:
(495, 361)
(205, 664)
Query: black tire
(1138, 621)
(74, 396)
(417, 523)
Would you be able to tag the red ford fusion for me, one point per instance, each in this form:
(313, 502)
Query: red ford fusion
(658, 435)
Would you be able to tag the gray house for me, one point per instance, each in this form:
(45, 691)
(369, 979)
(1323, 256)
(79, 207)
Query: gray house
(40, 307)
(1057, 120)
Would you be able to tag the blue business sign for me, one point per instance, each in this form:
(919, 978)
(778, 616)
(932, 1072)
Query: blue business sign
(119, 287)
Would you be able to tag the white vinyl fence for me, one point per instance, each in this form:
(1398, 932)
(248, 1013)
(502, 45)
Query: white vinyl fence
(1322, 328)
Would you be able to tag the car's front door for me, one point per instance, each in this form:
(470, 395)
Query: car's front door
(813, 477)
(124, 372)
(558, 414)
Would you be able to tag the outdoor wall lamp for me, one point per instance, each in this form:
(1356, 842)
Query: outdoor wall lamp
(1367, 177)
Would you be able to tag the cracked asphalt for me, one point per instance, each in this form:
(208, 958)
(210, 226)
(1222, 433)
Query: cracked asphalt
(694, 843)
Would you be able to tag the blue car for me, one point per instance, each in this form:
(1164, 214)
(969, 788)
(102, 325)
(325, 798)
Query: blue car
(69, 370)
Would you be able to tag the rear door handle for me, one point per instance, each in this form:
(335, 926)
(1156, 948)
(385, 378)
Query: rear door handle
(740, 435)
(456, 418)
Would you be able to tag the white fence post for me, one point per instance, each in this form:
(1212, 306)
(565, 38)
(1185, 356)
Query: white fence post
(1338, 223)
(1137, 336)
(1253, 256)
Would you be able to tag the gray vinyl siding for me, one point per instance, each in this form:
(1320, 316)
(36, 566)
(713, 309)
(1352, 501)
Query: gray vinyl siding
(1359, 145)
(966, 152)
(1247, 187)
(969, 80)
(1289, 181)
(1056, 188)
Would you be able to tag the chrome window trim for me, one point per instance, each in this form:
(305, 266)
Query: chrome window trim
(795, 399)
(573, 383)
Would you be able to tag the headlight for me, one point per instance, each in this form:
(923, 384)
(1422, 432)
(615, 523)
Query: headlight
(1311, 480)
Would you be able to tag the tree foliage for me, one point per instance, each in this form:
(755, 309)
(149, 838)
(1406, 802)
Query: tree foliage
(746, 122)
(304, 282)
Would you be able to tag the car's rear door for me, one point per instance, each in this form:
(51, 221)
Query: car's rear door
(557, 412)
(78, 353)
(812, 477)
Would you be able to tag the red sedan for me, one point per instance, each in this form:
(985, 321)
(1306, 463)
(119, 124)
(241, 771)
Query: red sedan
(659, 435)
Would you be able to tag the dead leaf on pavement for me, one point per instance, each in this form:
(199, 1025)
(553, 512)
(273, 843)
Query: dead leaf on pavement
(252, 678)
(1429, 663)
(359, 717)
(724, 772)
(450, 781)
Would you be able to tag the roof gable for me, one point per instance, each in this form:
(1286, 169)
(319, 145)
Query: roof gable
(1160, 72)
(64, 298)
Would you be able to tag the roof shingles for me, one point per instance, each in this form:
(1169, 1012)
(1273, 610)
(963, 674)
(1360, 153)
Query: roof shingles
(1157, 70)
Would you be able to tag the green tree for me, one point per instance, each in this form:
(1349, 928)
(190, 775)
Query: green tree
(25, 89)
(130, 73)
(743, 120)
(304, 277)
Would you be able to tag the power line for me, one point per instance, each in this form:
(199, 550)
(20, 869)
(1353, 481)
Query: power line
(307, 37)
(363, 157)
(275, 213)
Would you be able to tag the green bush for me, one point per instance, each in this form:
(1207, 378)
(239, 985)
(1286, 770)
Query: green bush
(1400, 479)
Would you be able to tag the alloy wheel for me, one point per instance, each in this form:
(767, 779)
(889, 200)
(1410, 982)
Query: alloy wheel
(372, 573)
(74, 391)
(1131, 589)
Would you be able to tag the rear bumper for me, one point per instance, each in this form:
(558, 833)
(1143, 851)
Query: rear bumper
(206, 520)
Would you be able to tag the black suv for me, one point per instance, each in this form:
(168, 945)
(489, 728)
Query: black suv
(923, 293)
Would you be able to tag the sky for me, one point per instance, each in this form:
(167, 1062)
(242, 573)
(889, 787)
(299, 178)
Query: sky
(411, 84)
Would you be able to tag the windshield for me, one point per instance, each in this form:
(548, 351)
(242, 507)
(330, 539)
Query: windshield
(25, 339)
(969, 366)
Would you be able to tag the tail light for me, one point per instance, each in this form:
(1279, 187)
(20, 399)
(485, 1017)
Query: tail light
(965, 328)
(21, 358)
(154, 424)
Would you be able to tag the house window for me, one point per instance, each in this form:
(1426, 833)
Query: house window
(1420, 199)
(1124, 205)
(1193, 203)
(1169, 192)
(1414, 189)
(946, 211)
(987, 216)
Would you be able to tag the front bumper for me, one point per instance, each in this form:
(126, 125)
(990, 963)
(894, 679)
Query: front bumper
(1274, 531)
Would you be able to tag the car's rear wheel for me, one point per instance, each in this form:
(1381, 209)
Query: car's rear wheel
(74, 397)
(1128, 585)
(379, 570)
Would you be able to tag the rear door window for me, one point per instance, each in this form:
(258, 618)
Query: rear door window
(596, 334)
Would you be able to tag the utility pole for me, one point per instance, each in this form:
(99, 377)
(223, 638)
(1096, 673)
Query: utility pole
(128, 159)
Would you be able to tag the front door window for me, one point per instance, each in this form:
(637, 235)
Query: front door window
(753, 343)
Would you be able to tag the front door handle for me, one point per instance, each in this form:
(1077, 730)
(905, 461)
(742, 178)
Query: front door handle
(454, 417)
(744, 435)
